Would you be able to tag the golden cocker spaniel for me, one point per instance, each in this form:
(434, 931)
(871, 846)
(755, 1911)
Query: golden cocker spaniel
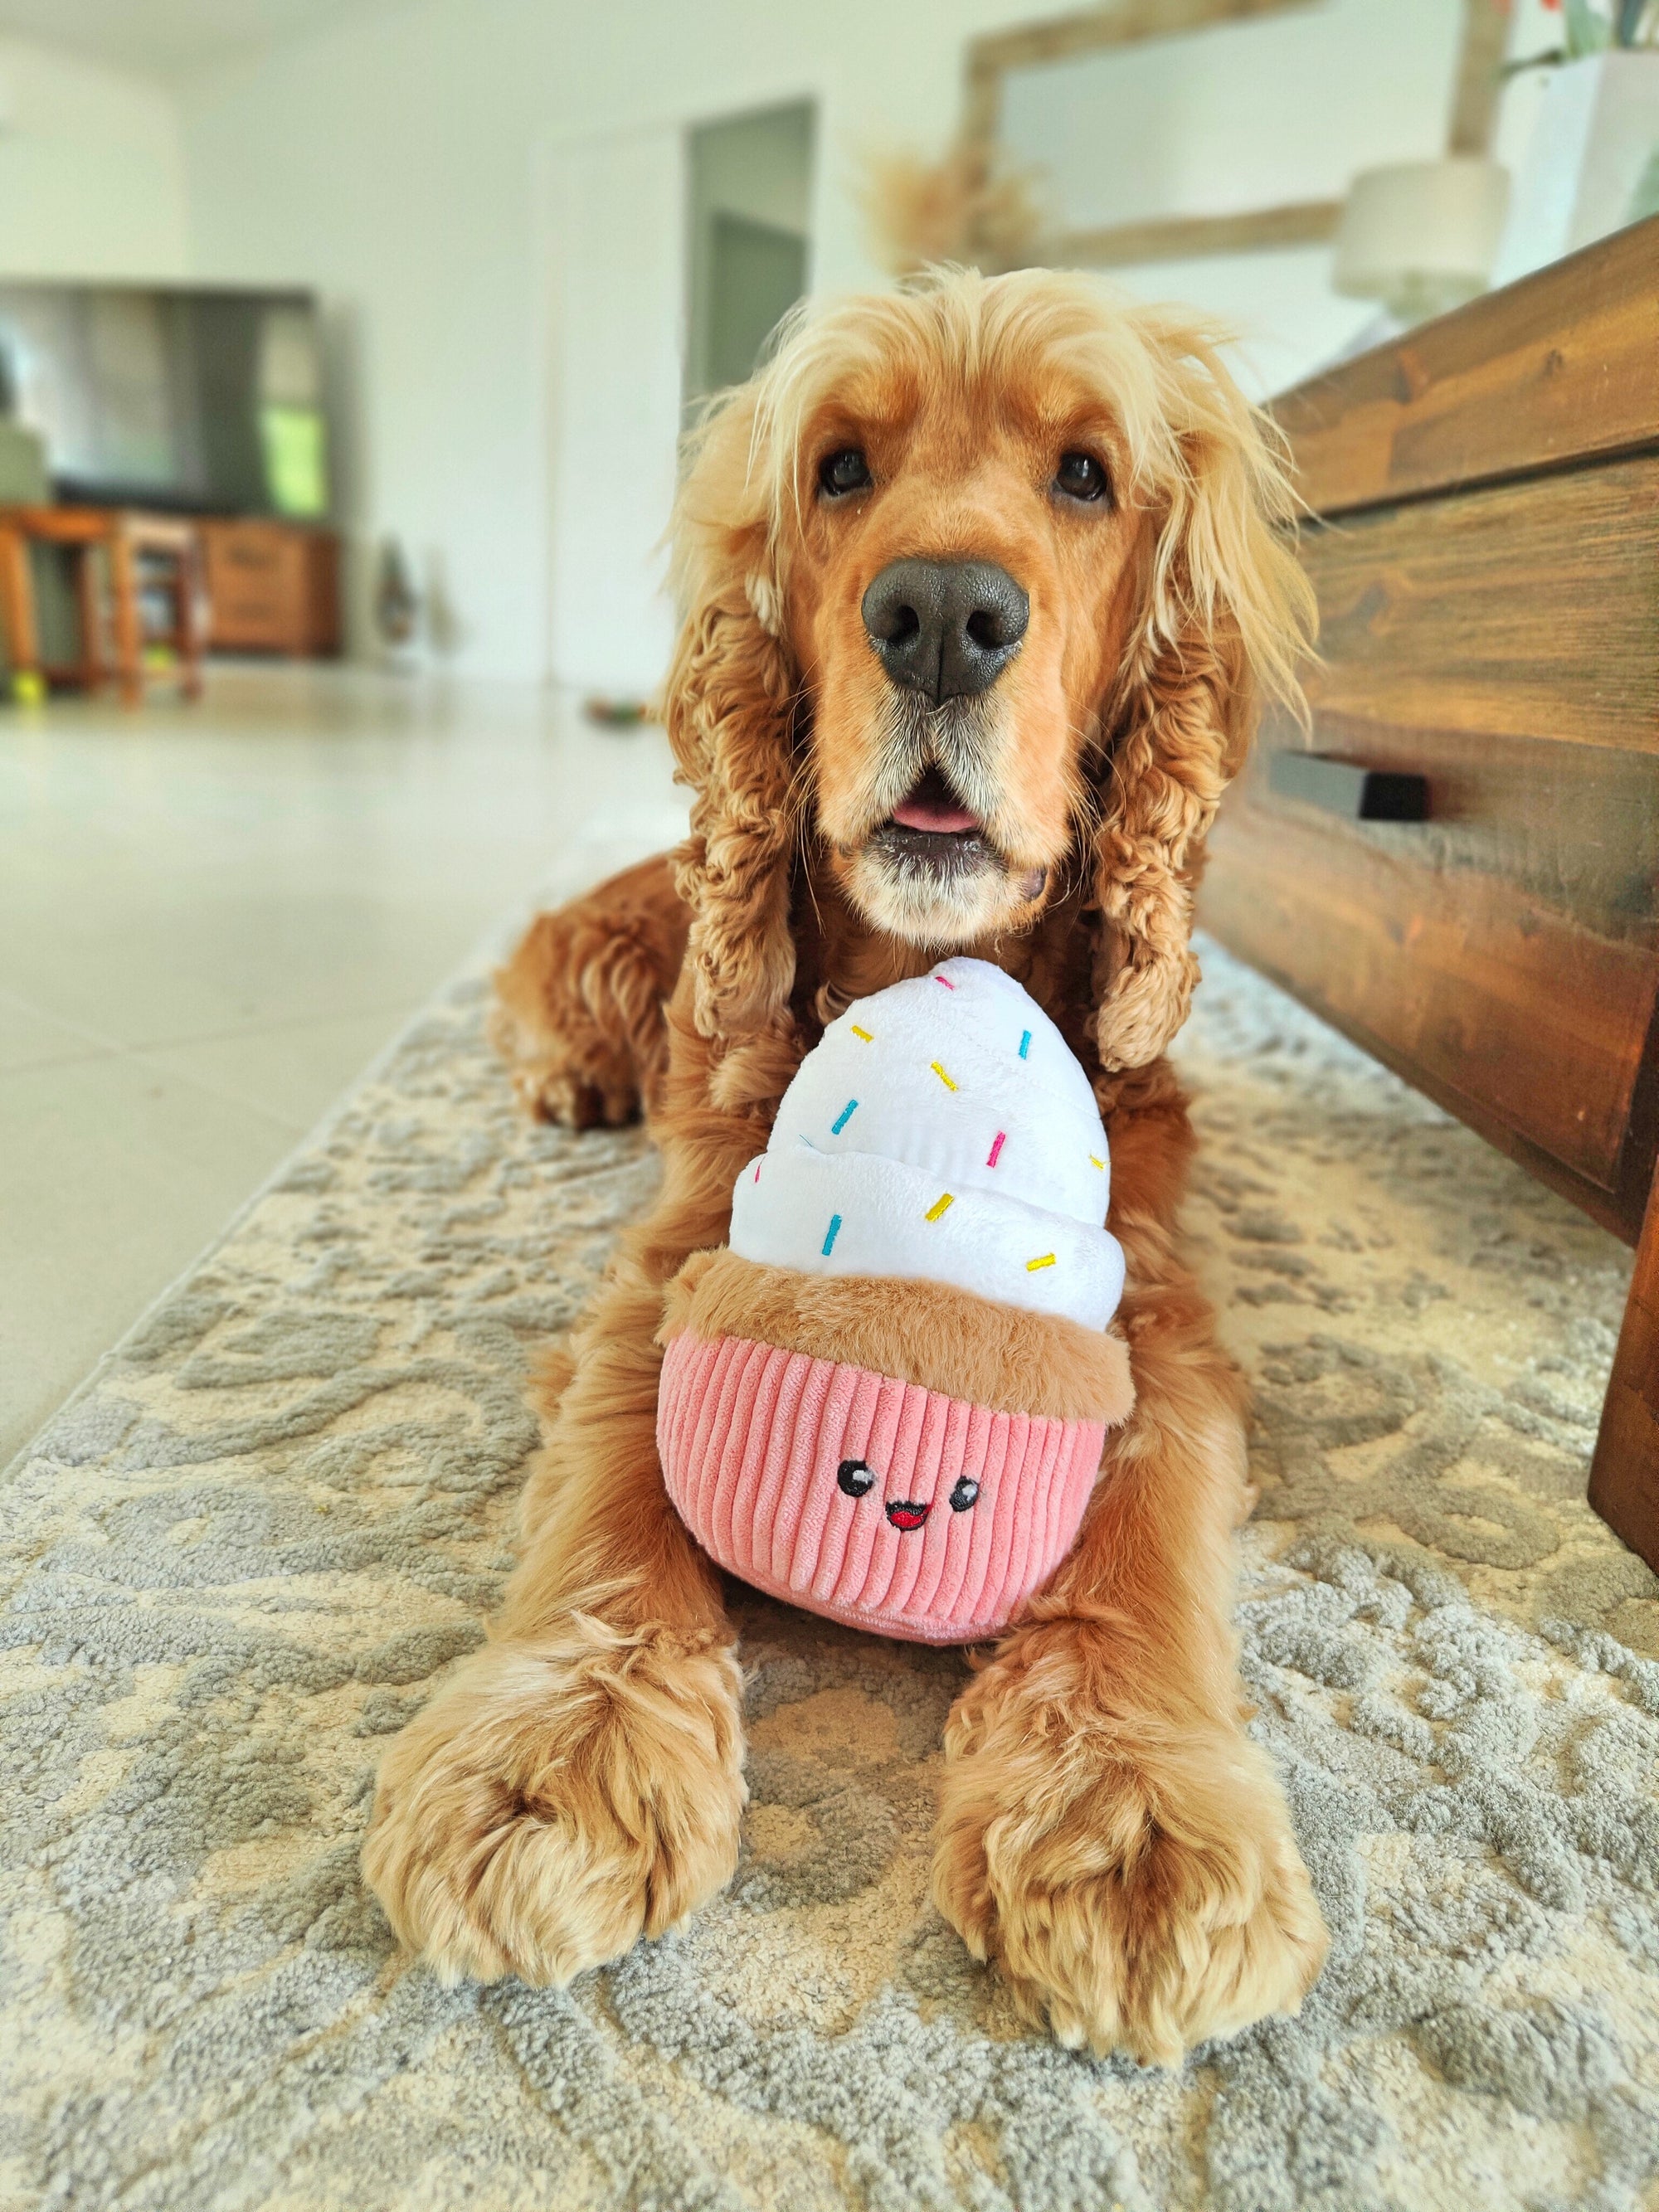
(982, 582)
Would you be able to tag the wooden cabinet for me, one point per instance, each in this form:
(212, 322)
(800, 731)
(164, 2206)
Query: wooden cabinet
(1485, 551)
(271, 587)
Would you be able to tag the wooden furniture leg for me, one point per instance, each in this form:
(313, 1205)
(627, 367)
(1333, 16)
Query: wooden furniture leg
(188, 586)
(17, 612)
(1624, 1484)
(89, 604)
(129, 632)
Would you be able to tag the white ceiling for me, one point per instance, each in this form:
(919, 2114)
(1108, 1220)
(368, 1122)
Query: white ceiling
(168, 36)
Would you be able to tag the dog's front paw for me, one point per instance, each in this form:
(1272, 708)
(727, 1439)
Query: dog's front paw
(1138, 1895)
(559, 1799)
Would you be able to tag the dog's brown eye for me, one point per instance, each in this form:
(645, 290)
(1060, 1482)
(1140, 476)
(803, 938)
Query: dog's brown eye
(845, 470)
(1080, 476)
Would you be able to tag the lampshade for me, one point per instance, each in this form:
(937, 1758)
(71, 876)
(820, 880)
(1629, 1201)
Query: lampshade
(1421, 236)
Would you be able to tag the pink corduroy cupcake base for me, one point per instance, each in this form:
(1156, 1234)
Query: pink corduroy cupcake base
(865, 1498)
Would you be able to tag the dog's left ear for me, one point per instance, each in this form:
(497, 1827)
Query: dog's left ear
(1229, 613)
(729, 705)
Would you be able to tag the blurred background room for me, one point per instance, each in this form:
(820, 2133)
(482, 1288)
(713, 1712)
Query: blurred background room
(344, 345)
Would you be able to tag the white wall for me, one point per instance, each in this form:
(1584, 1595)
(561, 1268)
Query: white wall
(614, 229)
(405, 163)
(91, 173)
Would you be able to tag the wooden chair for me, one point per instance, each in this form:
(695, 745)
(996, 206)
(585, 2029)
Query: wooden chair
(157, 556)
(143, 556)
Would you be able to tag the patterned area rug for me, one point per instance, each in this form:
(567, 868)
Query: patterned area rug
(240, 1558)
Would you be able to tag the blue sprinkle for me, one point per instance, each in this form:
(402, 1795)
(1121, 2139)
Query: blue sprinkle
(843, 1117)
(835, 1227)
(1025, 1043)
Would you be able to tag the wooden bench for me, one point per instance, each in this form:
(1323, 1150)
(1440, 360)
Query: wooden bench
(1486, 551)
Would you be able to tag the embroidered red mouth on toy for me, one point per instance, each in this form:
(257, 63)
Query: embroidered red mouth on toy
(903, 1514)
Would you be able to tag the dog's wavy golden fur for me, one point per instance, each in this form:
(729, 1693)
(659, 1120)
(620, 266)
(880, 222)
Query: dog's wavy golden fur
(1107, 1832)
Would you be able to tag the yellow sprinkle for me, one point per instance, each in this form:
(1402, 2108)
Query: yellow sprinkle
(1094, 1163)
(865, 1034)
(942, 1076)
(1046, 1261)
(938, 1206)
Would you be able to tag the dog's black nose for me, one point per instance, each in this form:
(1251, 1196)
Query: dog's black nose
(946, 628)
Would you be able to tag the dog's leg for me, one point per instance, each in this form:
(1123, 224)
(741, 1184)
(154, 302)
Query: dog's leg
(1108, 1832)
(578, 1007)
(579, 1781)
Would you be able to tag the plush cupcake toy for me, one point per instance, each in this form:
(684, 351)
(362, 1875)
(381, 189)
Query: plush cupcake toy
(886, 1402)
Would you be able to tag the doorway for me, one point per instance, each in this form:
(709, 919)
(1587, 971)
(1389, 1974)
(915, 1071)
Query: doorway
(749, 191)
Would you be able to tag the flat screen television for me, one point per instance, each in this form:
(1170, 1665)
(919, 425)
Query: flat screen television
(203, 400)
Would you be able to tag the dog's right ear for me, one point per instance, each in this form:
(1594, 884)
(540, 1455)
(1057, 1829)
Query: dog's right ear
(1229, 616)
(730, 706)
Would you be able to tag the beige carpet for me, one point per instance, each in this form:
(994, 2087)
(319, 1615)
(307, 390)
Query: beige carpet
(239, 1558)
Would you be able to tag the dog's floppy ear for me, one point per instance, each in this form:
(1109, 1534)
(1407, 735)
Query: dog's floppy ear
(730, 704)
(1228, 613)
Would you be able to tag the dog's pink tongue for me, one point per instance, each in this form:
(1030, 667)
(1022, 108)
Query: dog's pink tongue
(935, 814)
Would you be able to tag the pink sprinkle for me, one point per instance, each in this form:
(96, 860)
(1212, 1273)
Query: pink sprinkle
(945, 979)
(758, 1170)
(1002, 1138)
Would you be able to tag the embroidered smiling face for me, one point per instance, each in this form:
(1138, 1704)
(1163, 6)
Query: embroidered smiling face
(875, 1500)
(857, 1478)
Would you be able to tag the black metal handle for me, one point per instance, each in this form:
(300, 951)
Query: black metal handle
(1349, 789)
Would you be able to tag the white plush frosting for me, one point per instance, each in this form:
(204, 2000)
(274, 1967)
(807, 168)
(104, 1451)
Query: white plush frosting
(935, 1071)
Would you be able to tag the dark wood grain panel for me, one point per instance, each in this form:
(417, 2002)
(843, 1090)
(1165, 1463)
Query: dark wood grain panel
(1511, 1013)
(1527, 610)
(1624, 1483)
(1573, 829)
(1504, 644)
(1559, 368)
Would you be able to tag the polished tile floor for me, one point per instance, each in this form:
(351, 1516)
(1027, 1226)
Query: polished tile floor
(212, 917)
